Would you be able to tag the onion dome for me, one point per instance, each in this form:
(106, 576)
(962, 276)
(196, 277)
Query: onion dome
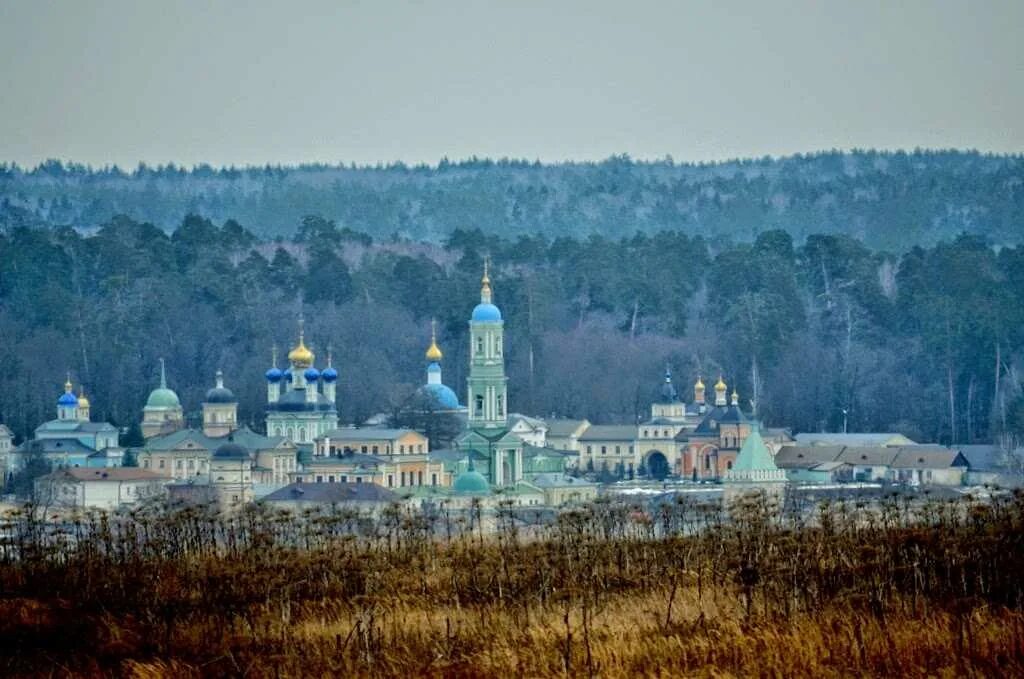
(67, 398)
(329, 374)
(668, 390)
(735, 397)
(720, 385)
(699, 384)
(220, 393)
(300, 356)
(311, 374)
(83, 402)
(274, 375)
(231, 451)
(287, 375)
(162, 397)
(433, 351)
(485, 311)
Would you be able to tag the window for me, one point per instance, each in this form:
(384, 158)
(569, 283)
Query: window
(359, 479)
(707, 462)
(319, 478)
(401, 449)
(391, 480)
(145, 464)
(728, 465)
(479, 345)
(330, 478)
(631, 450)
(178, 465)
(363, 449)
(501, 406)
(646, 433)
(479, 404)
(617, 450)
(419, 448)
(344, 478)
(419, 478)
(402, 482)
(497, 345)
(604, 450)
(589, 451)
(433, 479)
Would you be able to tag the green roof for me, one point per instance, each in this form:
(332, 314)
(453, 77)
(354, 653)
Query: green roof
(162, 397)
(471, 482)
(754, 455)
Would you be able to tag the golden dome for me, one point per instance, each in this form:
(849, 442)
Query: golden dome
(83, 402)
(301, 356)
(699, 384)
(720, 385)
(434, 352)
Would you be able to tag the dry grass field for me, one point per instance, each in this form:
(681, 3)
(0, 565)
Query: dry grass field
(905, 589)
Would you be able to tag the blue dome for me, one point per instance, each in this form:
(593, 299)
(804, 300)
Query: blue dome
(288, 375)
(471, 482)
(329, 374)
(311, 374)
(274, 375)
(486, 312)
(67, 399)
(445, 397)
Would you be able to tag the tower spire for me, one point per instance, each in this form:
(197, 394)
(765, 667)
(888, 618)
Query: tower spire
(485, 282)
(273, 355)
(67, 384)
(330, 356)
(163, 375)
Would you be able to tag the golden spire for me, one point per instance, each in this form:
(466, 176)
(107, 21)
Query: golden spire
(735, 397)
(699, 384)
(434, 352)
(67, 385)
(485, 282)
(301, 356)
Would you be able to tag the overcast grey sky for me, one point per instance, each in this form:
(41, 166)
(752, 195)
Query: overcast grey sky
(256, 82)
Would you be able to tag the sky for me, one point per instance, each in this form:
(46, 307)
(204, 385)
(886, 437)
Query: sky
(240, 83)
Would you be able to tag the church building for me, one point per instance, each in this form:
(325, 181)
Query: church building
(301, 400)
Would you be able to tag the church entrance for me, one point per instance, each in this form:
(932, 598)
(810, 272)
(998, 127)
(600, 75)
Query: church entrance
(657, 465)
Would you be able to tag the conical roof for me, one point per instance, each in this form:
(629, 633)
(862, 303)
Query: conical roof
(754, 455)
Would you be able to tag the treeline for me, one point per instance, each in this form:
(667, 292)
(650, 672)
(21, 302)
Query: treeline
(888, 200)
(930, 343)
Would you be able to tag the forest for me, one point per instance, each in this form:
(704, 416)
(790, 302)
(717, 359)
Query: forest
(888, 200)
(812, 332)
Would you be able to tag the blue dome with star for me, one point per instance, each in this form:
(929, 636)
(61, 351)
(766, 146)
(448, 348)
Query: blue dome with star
(329, 374)
(67, 399)
(311, 374)
(486, 312)
(274, 375)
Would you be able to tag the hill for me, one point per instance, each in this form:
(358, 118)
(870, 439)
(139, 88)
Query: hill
(888, 200)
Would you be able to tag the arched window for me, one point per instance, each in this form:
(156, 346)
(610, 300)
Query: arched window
(501, 406)
(479, 345)
(479, 404)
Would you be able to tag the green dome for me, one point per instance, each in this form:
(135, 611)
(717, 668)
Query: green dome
(162, 397)
(471, 482)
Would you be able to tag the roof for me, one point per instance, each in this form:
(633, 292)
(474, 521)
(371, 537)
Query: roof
(828, 466)
(609, 432)
(244, 437)
(368, 434)
(471, 482)
(868, 455)
(331, 493)
(564, 427)
(532, 422)
(856, 439)
(56, 446)
(536, 451)
(77, 425)
(989, 457)
(754, 455)
(453, 455)
(294, 400)
(559, 480)
(106, 474)
(804, 457)
(719, 415)
(4, 431)
(928, 457)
